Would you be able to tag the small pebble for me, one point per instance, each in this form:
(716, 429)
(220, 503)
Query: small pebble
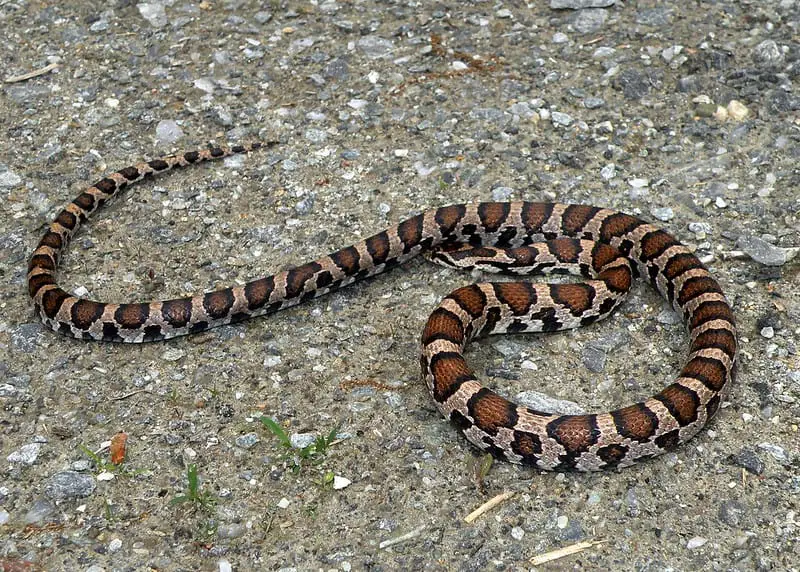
(154, 13)
(543, 402)
(302, 440)
(750, 461)
(168, 131)
(765, 253)
(502, 194)
(39, 512)
(699, 227)
(69, 485)
(9, 180)
(247, 441)
(777, 452)
(663, 213)
(562, 118)
(768, 332)
(340, 482)
(27, 454)
(271, 361)
(231, 530)
(696, 542)
(517, 533)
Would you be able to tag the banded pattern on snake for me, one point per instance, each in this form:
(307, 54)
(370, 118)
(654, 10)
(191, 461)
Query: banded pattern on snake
(519, 237)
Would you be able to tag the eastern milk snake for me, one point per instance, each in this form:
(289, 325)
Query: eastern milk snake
(604, 245)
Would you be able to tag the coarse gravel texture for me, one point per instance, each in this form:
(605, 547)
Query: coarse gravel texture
(685, 113)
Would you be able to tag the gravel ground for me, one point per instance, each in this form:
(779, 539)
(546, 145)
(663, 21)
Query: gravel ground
(687, 114)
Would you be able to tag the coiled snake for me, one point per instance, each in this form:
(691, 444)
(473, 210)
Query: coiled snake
(515, 237)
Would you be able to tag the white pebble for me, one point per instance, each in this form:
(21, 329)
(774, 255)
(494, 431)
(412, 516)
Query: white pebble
(283, 503)
(111, 102)
(517, 533)
(737, 110)
(9, 179)
(560, 118)
(340, 483)
(401, 152)
(458, 65)
(562, 521)
(609, 171)
(663, 213)
(768, 332)
(272, 361)
(720, 203)
(696, 542)
(225, 566)
(357, 103)
(168, 131)
(114, 545)
(639, 183)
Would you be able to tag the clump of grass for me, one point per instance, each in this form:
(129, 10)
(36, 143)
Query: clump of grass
(196, 498)
(296, 457)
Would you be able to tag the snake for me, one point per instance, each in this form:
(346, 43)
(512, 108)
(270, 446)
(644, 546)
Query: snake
(609, 248)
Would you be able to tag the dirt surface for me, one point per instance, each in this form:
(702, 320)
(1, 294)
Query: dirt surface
(687, 114)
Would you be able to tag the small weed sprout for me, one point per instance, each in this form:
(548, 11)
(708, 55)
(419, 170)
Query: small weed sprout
(203, 500)
(314, 453)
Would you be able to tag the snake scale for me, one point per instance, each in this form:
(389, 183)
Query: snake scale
(607, 246)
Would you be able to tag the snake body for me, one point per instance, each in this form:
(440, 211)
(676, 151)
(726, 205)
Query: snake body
(513, 237)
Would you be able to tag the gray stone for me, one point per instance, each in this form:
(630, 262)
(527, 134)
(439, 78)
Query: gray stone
(26, 337)
(750, 461)
(580, 4)
(375, 47)
(302, 440)
(231, 530)
(27, 454)
(502, 194)
(9, 179)
(337, 69)
(593, 102)
(589, 21)
(546, 404)
(731, 512)
(168, 132)
(594, 359)
(764, 252)
(40, 510)
(663, 213)
(778, 453)
(768, 53)
(633, 83)
(154, 13)
(69, 485)
(560, 118)
(247, 441)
